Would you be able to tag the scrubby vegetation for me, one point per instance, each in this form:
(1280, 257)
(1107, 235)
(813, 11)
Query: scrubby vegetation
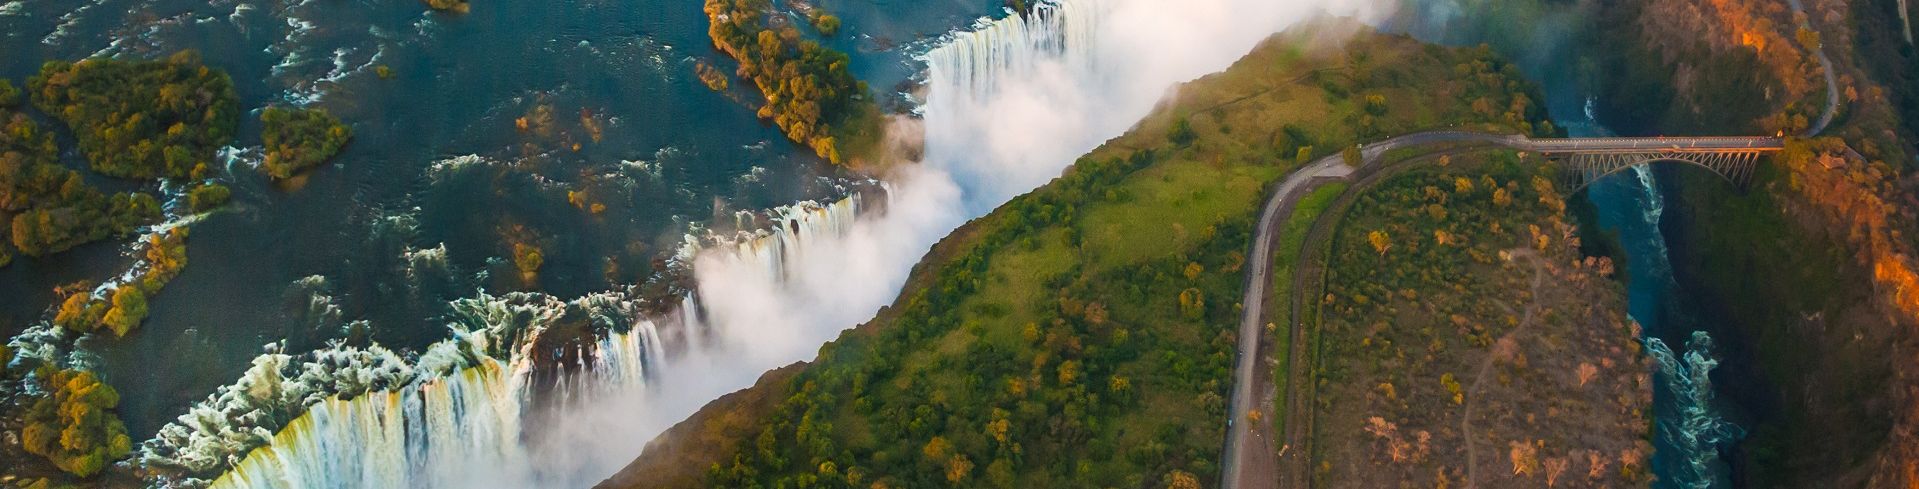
(141, 119)
(809, 93)
(298, 139)
(1046, 345)
(1474, 320)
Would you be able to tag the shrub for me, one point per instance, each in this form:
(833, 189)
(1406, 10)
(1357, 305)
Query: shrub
(208, 197)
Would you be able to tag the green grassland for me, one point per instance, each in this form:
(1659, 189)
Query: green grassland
(1082, 334)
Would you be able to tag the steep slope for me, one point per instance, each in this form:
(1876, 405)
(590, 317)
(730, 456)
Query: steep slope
(1807, 277)
(1082, 334)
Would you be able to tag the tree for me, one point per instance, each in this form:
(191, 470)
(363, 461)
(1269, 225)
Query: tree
(1525, 458)
(1181, 134)
(1352, 156)
(1807, 38)
(1554, 467)
(141, 119)
(79, 312)
(1380, 241)
(528, 259)
(207, 197)
(1375, 104)
(1192, 303)
(958, 468)
(1180, 479)
(1587, 372)
(454, 6)
(828, 24)
(937, 448)
(129, 309)
(1000, 474)
(9, 96)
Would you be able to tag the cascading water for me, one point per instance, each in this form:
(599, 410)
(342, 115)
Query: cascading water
(353, 417)
(1010, 104)
(1694, 429)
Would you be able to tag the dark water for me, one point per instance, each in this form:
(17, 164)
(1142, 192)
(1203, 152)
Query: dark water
(424, 205)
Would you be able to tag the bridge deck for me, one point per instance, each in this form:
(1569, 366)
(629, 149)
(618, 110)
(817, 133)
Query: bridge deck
(1660, 144)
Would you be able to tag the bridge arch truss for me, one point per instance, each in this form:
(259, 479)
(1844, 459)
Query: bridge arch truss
(1577, 170)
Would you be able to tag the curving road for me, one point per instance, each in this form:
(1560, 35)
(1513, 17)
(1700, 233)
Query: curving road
(1249, 460)
(1825, 63)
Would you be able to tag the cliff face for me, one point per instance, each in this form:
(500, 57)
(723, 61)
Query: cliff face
(1807, 277)
(671, 459)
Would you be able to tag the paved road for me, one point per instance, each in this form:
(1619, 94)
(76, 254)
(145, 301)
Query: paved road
(1250, 459)
(1832, 81)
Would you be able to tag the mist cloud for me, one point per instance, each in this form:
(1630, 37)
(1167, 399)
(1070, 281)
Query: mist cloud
(999, 129)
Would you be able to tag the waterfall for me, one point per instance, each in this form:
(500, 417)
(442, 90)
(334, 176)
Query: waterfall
(455, 416)
(1695, 430)
(1011, 103)
(974, 63)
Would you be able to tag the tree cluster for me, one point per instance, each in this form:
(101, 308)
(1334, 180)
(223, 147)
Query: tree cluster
(298, 139)
(809, 92)
(73, 424)
(141, 119)
(46, 208)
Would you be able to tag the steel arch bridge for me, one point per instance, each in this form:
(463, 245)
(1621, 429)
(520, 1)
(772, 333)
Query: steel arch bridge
(1583, 161)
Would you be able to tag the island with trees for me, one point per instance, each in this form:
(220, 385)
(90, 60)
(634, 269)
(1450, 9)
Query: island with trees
(298, 139)
(70, 420)
(141, 119)
(810, 94)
